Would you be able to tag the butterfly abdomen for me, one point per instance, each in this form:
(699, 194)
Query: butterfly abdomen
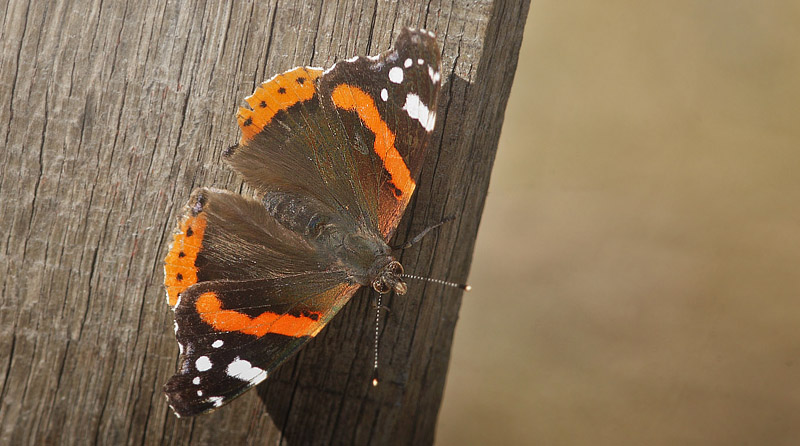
(302, 214)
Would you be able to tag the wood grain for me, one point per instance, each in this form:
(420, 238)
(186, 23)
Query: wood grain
(111, 112)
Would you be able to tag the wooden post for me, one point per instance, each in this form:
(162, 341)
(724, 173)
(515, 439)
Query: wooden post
(111, 112)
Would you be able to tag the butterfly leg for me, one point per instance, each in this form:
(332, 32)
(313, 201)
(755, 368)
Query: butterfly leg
(376, 305)
(423, 233)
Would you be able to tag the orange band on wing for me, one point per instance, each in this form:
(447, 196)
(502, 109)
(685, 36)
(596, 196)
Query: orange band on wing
(278, 93)
(349, 97)
(210, 309)
(180, 271)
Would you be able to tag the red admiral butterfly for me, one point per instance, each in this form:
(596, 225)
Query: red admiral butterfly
(333, 156)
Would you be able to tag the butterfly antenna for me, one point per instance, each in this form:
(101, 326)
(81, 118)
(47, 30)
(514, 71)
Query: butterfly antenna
(378, 307)
(377, 326)
(462, 286)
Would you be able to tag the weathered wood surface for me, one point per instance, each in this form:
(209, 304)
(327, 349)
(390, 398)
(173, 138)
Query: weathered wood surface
(111, 112)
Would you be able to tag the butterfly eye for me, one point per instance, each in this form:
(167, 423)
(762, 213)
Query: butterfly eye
(380, 286)
(396, 268)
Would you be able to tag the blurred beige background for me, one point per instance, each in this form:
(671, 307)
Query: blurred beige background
(636, 276)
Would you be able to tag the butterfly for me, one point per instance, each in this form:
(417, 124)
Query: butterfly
(333, 156)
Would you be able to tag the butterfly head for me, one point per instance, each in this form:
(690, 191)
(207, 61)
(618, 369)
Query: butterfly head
(390, 278)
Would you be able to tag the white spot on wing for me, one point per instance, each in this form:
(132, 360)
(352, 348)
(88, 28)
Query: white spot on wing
(203, 363)
(407, 63)
(199, 393)
(420, 61)
(215, 400)
(419, 111)
(433, 74)
(217, 344)
(196, 380)
(242, 369)
(396, 75)
(384, 95)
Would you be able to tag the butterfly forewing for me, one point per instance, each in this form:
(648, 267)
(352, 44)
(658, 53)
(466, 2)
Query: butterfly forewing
(358, 143)
(388, 102)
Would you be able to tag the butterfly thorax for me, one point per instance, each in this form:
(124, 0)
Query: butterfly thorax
(367, 259)
(361, 252)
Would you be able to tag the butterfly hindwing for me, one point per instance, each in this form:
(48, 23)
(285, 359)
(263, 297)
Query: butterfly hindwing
(233, 334)
(222, 235)
(246, 291)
